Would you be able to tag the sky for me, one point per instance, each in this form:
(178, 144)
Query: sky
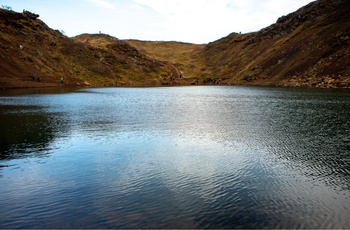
(193, 21)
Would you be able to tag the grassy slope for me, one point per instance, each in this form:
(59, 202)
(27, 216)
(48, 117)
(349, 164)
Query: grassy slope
(310, 47)
(125, 62)
(29, 46)
(185, 56)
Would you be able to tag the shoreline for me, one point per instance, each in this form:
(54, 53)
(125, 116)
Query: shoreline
(77, 85)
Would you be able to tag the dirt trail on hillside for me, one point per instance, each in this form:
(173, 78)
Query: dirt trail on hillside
(174, 70)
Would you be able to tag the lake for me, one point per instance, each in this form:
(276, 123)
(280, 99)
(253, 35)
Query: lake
(175, 157)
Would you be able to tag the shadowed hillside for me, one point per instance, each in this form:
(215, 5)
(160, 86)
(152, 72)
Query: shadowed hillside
(126, 63)
(28, 46)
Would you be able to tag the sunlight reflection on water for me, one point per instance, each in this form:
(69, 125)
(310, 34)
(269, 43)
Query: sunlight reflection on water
(188, 157)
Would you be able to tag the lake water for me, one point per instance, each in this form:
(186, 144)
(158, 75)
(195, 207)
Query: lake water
(177, 157)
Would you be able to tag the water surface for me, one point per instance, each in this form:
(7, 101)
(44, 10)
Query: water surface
(187, 157)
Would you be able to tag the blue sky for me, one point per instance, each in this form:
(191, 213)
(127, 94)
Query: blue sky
(195, 21)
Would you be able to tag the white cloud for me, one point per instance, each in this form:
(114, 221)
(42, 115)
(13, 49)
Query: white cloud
(207, 20)
(197, 21)
(186, 20)
(103, 3)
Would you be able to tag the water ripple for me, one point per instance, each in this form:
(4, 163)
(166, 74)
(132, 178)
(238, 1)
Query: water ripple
(189, 157)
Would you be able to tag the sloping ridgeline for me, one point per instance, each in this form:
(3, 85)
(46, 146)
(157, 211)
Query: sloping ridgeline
(310, 47)
(28, 45)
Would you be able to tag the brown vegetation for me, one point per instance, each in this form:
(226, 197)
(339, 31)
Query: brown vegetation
(28, 46)
(184, 56)
(310, 47)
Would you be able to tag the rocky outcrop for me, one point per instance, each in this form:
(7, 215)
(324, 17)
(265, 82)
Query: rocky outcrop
(30, 15)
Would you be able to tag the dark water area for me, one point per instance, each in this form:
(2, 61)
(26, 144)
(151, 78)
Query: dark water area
(177, 157)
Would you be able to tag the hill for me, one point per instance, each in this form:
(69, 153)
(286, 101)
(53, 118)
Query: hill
(184, 56)
(310, 47)
(28, 46)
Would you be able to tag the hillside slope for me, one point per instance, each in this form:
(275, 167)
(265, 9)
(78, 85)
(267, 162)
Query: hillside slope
(184, 56)
(28, 46)
(310, 47)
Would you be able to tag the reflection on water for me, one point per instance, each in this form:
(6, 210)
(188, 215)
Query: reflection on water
(188, 157)
(52, 90)
(26, 130)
